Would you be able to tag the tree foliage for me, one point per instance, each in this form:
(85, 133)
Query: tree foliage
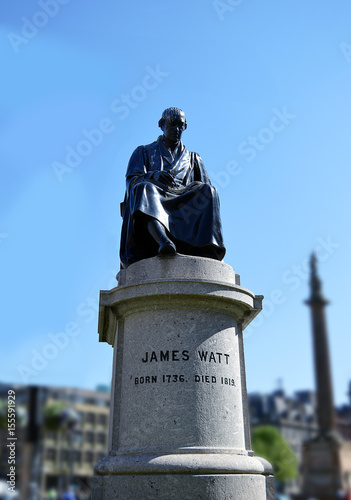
(53, 415)
(268, 443)
(59, 417)
(3, 415)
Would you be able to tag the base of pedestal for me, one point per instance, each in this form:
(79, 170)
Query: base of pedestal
(184, 487)
(182, 477)
(327, 467)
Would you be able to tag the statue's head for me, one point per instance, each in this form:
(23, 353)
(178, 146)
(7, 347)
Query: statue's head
(172, 114)
(173, 123)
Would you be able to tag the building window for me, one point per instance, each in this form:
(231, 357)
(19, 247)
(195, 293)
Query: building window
(51, 455)
(102, 419)
(89, 437)
(90, 418)
(89, 457)
(80, 415)
(91, 401)
(101, 438)
(102, 402)
(51, 435)
(78, 437)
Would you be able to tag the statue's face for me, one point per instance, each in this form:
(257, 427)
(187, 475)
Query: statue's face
(173, 128)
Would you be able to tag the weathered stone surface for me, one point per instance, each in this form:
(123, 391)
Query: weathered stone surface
(208, 281)
(179, 426)
(181, 487)
(201, 462)
(327, 466)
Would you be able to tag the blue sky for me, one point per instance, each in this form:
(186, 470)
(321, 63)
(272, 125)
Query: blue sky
(266, 91)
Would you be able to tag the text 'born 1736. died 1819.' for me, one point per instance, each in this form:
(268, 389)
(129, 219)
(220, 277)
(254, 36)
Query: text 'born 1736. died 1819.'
(179, 427)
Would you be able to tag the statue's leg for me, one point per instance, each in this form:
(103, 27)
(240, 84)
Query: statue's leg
(158, 232)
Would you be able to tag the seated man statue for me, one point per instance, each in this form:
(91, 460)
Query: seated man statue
(170, 205)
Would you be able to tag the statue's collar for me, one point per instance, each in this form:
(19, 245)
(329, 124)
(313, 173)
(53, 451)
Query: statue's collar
(166, 151)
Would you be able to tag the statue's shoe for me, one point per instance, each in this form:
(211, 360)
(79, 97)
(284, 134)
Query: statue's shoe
(167, 248)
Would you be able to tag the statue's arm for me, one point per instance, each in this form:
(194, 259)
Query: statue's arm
(137, 170)
(200, 173)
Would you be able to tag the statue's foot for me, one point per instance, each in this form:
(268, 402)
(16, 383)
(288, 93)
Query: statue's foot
(158, 232)
(167, 248)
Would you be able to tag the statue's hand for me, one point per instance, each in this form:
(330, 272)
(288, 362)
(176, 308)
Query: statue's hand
(166, 178)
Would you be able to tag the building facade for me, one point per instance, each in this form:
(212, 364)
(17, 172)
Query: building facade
(296, 418)
(60, 457)
(70, 457)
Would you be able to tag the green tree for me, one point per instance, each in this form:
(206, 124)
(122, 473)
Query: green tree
(268, 443)
(20, 415)
(3, 415)
(58, 416)
(53, 415)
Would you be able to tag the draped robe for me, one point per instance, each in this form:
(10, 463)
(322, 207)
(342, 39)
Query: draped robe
(189, 210)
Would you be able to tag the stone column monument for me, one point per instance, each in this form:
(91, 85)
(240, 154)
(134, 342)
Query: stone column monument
(179, 427)
(326, 458)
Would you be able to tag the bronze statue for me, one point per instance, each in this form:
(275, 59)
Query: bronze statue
(170, 204)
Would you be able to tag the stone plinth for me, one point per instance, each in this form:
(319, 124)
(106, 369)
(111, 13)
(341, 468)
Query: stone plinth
(179, 420)
(326, 467)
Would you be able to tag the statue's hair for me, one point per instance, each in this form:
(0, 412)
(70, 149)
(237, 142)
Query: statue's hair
(171, 113)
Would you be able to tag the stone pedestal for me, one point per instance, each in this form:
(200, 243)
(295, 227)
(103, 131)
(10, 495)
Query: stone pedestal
(179, 419)
(326, 467)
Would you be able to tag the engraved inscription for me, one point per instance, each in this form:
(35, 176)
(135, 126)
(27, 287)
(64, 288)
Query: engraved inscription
(184, 355)
(215, 357)
(145, 380)
(168, 379)
(179, 355)
(173, 378)
(228, 381)
(206, 378)
(174, 355)
(211, 379)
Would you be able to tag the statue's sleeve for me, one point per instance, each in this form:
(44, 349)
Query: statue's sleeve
(137, 170)
(200, 173)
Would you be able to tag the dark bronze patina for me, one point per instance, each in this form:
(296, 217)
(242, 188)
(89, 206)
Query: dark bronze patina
(170, 204)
